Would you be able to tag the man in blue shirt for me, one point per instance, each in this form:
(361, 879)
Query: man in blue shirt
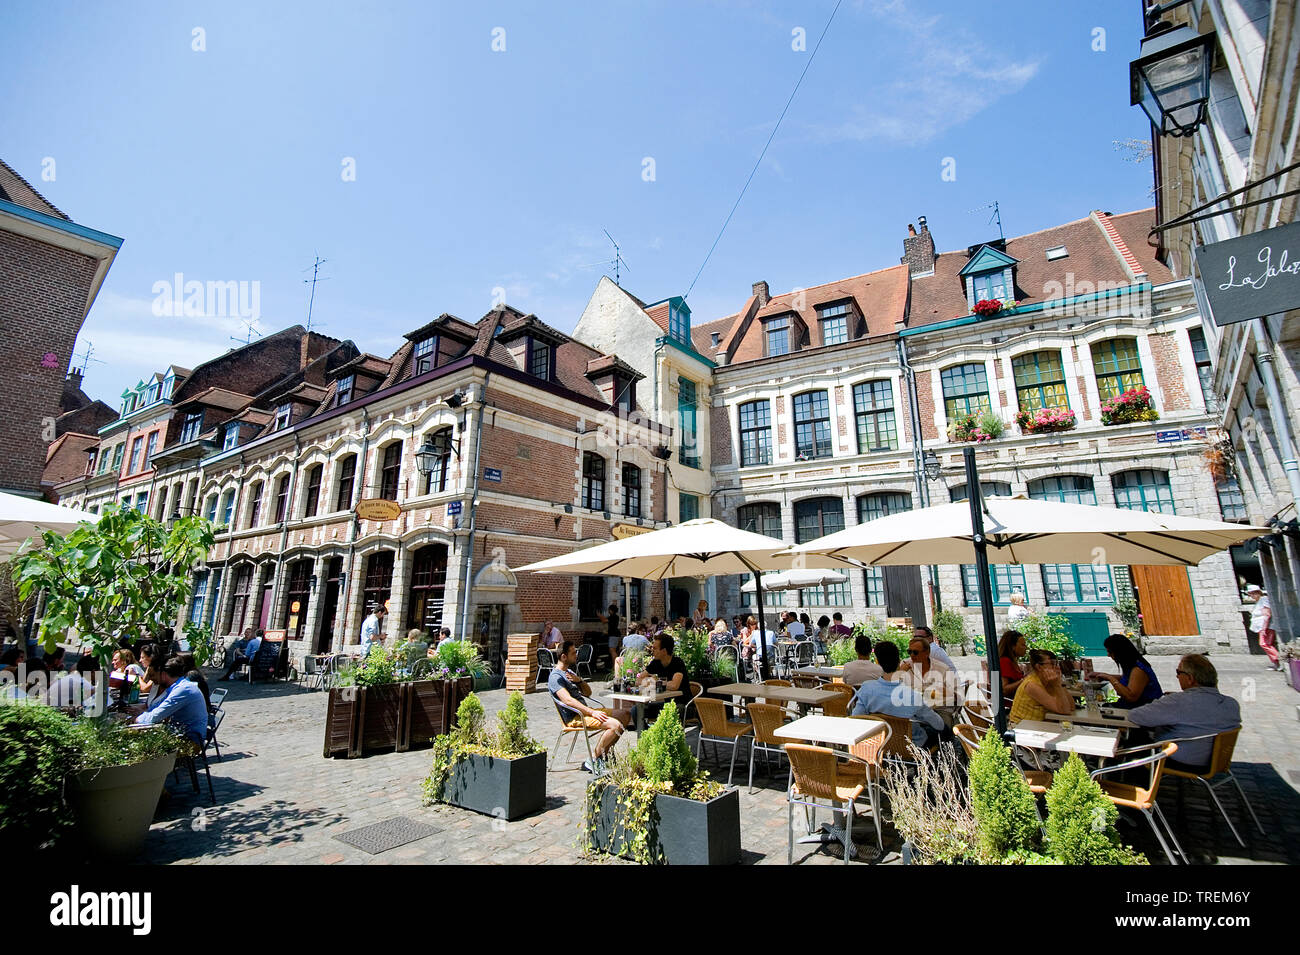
(887, 695)
(1200, 710)
(372, 629)
(180, 703)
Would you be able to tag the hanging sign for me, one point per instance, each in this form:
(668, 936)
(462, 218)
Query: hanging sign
(620, 531)
(378, 509)
(1252, 275)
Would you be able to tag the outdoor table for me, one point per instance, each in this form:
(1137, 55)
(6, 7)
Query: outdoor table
(1119, 721)
(786, 694)
(826, 672)
(636, 698)
(836, 731)
(1084, 740)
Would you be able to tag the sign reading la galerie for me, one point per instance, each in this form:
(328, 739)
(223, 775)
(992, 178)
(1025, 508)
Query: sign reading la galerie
(1252, 275)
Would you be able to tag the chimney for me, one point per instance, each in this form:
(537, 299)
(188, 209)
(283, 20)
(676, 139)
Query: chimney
(761, 292)
(74, 378)
(918, 250)
(304, 351)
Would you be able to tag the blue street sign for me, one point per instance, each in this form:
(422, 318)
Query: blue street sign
(453, 508)
(1168, 437)
(492, 474)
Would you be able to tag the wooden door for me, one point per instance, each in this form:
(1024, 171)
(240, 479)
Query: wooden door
(1164, 596)
(903, 595)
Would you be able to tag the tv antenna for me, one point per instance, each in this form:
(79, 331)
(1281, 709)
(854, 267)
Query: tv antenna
(250, 329)
(997, 215)
(86, 359)
(618, 262)
(315, 277)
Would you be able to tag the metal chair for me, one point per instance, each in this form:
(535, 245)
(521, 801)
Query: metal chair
(716, 728)
(545, 664)
(804, 654)
(871, 753)
(584, 659)
(766, 718)
(214, 723)
(216, 697)
(567, 727)
(696, 690)
(1220, 765)
(819, 775)
(1143, 799)
(899, 745)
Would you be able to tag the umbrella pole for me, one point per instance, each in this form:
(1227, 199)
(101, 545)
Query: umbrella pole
(976, 498)
(762, 629)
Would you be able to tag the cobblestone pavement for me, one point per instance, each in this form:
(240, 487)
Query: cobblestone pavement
(279, 801)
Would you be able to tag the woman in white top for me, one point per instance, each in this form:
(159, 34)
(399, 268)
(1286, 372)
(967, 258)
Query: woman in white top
(1018, 611)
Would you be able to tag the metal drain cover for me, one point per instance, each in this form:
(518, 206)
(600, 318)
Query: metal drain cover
(386, 835)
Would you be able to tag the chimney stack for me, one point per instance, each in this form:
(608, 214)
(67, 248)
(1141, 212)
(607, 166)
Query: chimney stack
(760, 291)
(74, 378)
(918, 250)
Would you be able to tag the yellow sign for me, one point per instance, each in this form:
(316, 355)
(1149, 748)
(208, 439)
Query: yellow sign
(378, 509)
(620, 531)
(294, 608)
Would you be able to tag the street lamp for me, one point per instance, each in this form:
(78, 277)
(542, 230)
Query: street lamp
(1170, 79)
(932, 466)
(426, 457)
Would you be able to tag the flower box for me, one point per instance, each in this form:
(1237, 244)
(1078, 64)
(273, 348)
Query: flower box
(1045, 420)
(506, 788)
(992, 306)
(1128, 407)
(682, 831)
(979, 428)
(393, 716)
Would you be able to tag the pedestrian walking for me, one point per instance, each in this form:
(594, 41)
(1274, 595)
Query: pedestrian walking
(1261, 621)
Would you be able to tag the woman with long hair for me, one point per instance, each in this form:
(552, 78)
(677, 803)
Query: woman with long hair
(1136, 684)
(1041, 691)
(1010, 649)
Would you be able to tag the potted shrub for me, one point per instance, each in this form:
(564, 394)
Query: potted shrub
(1129, 406)
(656, 806)
(1045, 420)
(981, 427)
(841, 651)
(502, 774)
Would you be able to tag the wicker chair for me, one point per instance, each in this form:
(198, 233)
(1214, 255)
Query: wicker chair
(898, 748)
(697, 689)
(839, 707)
(1040, 780)
(1143, 799)
(871, 753)
(1220, 764)
(716, 728)
(819, 775)
(766, 718)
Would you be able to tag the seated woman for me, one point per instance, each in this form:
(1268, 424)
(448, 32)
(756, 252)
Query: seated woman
(1041, 692)
(1010, 649)
(720, 635)
(1136, 684)
(126, 676)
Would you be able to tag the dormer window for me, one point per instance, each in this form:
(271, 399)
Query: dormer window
(835, 323)
(776, 333)
(345, 389)
(679, 322)
(539, 359)
(990, 285)
(193, 425)
(283, 414)
(232, 436)
(426, 352)
(989, 275)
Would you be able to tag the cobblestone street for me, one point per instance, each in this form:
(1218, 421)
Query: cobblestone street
(278, 801)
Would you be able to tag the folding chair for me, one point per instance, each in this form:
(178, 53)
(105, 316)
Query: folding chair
(216, 697)
(1131, 796)
(1220, 764)
(214, 723)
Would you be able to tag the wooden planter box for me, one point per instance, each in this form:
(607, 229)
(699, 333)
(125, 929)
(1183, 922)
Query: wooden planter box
(396, 717)
(685, 831)
(492, 786)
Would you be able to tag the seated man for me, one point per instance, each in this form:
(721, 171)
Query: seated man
(838, 630)
(859, 671)
(569, 691)
(180, 703)
(669, 668)
(237, 653)
(1199, 710)
(937, 652)
(893, 698)
(936, 682)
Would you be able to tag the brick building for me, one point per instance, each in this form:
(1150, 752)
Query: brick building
(53, 268)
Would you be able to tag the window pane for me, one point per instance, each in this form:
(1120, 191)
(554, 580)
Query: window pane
(1117, 366)
(1040, 380)
(760, 519)
(686, 409)
(1006, 579)
(835, 331)
(1144, 490)
(882, 504)
(873, 407)
(755, 433)
(817, 517)
(812, 425)
(965, 389)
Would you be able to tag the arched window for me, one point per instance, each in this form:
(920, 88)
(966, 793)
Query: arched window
(281, 498)
(965, 389)
(813, 518)
(762, 518)
(873, 410)
(428, 588)
(435, 482)
(298, 594)
(347, 471)
(987, 488)
(378, 581)
(312, 497)
(1144, 489)
(593, 481)
(390, 470)
(1040, 380)
(755, 433)
(239, 605)
(255, 505)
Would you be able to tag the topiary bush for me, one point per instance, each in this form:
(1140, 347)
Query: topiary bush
(1081, 821)
(665, 755)
(950, 629)
(471, 720)
(512, 728)
(1001, 799)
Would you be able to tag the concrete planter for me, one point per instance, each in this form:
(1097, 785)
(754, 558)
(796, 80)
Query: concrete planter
(114, 807)
(505, 788)
(685, 831)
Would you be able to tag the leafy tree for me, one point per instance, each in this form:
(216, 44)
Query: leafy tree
(1081, 820)
(127, 575)
(666, 755)
(14, 610)
(1001, 799)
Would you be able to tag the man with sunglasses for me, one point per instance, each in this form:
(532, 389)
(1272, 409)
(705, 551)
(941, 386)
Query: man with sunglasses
(891, 696)
(935, 681)
(1197, 711)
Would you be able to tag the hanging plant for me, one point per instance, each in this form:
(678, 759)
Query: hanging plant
(1132, 405)
(1045, 420)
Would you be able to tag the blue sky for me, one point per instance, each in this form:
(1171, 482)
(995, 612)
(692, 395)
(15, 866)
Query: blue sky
(478, 168)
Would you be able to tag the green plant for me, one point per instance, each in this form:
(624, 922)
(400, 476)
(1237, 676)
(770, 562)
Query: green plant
(36, 753)
(984, 426)
(1046, 631)
(667, 758)
(931, 809)
(841, 651)
(724, 667)
(377, 668)
(630, 664)
(471, 736)
(692, 647)
(126, 575)
(950, 629)
(201, 641)
(471, 720)
(459, 658)
(873, 628)
(101, 744)
(1081, 821)
(1127, 611)
(512, 728)
(1001, 800)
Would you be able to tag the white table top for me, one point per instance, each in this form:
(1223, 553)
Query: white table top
(1099, 719)
(642, 698)
(838, 730)
(788, 694)
(820, 671)
(1085, 740)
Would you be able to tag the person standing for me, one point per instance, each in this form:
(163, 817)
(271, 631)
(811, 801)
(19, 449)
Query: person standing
(701, 619)
(1017, 611)
(613, 633)
(372, 630)
(1261, 621)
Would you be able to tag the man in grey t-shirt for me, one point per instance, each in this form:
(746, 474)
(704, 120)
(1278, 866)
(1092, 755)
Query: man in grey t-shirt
(1197, 711)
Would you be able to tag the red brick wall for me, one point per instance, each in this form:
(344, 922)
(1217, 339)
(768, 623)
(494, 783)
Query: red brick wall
(720, 436)
(42, 302)
(1169, 371)
(925, 404)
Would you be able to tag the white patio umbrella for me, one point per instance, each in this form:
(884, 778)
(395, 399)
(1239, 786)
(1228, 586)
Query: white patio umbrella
(24, 517)
(795, 579)
(699, 548)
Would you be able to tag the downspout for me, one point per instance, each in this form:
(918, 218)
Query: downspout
(918, 456)
(473, 512)
(341, 638)
(284, 533)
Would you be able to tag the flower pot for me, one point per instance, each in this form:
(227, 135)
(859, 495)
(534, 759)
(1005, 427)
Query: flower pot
(505, 788)
(381, 712)
(113, 807)
(683, 831)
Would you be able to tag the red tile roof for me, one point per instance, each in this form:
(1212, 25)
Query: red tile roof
(14, 188)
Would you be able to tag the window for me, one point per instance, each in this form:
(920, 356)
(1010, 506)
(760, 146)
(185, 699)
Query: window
(1073, 583)
(255, 509)
(593, 481)
(539, 359)
(688, 507)
(777, 333)
(117, 456)
(991, 285)
(347, 468)
(193, 426)
(210, 508)
(591, 597)
(150, 447)
(679, 323)
(1116, 364)
(135, 456)
(817, 517)
(239, 604)
(232, 437)
(283, 415)
(873, 407)
(428, 588)
(91, 457)
(1231, 501)
(835, 323)
(1144, 490)
(426, 353)
(1040, 380)
(965, 390)
(378, 585)
(160, 504)
(297, 596)
(200, 592)
(1006, 579)
(760, 519)
(812, 425)
(631, 490)
(390, 470)
(142, 502)
(870, 507)
(755, 433)
(346, 386)
(216, 599)
(227, 508)
(435, 482)
(313, 490)
(686, 411)
(988, 488)
(281, 498)
(1204, 367)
